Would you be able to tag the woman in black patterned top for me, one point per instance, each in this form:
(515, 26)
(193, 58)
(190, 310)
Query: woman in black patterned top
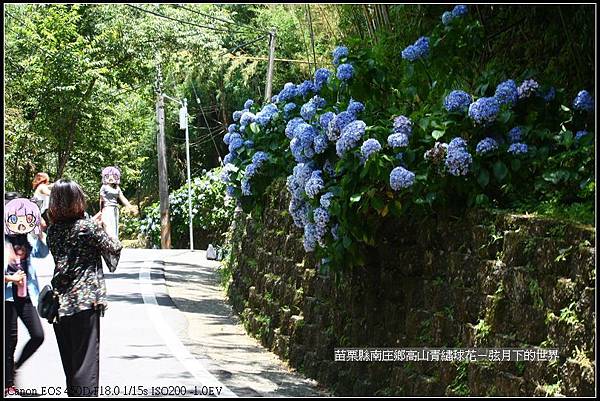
(77, 244)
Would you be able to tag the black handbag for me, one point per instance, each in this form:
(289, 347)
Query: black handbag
(48, 304)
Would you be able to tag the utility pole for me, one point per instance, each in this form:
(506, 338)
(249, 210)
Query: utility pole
(183, 123)
(312, 37)
(163, 184)
(269, 85)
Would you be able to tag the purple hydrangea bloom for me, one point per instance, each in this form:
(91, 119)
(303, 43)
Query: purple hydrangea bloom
(398, 140)
(486, 145)
(507, 92)
(583, 101)
(484, 110)
(321, 77)
(369, 147)
(517, 148)
(401, 178)
(457, 100)
(418, 50)
(248, 103)
(345, 72)
(515, 135)
(338, 53)
(338, 123)
(351, 134)
(355, 107)
(458, 159)
(528, 87)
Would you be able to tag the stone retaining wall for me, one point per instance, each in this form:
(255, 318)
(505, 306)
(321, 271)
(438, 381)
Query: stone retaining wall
(481, 280)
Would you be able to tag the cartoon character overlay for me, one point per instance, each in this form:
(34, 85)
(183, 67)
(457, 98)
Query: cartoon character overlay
(21, 216)
(111, 175)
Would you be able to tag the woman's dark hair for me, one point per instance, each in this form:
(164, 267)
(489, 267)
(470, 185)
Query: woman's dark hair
(67, 201)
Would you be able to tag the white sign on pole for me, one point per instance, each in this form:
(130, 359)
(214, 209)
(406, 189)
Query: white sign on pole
(183, 117)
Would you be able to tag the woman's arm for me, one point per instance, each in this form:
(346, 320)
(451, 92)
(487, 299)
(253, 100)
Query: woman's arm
(103, 241)
(39, 247)
(45, 189)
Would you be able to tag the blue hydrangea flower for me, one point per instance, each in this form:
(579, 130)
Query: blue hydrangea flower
(259, 158)
(484, 110)
(262, 119)
(287, 109)
(328, 168)
(345, 72)
(580, 134)
(418, 50)
(401, 178)
(507, 92)
(397, 140)
(308, 110)
(314, 184)
(457, 101)
(460, 10)
(550, 95)
(458, 159)
(291, 126)
(447, 17)
(248, 104)
(338, 123)
(515, 135)
(325, 200)
(305, 88)
(236, 115)
(228, 169)
(320, 143)
(235, 142)
(528, 87)
(583, 101)
(250, 170)
(226, 138)
(319, 101)
(230, 191)
(310, 237)
(402, 125)
(246, 187)
(248, 143)
(321, 218)
(247, 118)
(288, 92)
(486, 145)
(274, 99)
(517, 148)
(351, 134)
(369, 147)
(321, 77)
(231, 128)
(229, 157)
(339, 53)
(326, 118)
(355, 107)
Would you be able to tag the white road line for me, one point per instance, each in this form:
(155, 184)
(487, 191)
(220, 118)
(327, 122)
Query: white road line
(194, 366)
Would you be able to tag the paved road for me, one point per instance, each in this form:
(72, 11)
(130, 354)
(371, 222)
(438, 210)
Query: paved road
(153, 346)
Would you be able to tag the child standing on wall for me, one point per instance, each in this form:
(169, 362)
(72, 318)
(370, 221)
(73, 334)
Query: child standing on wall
(110, 194)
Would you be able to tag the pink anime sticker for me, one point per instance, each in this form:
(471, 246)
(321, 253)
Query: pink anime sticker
(111, 175)
(21, 216)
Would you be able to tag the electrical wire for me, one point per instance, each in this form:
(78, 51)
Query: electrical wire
(183, 22)
(218, 19)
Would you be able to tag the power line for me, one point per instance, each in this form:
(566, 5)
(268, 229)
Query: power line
(217, 18)
(242, 45)
(182, 21)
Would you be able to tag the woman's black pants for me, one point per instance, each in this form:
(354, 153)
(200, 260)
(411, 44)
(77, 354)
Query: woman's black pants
(24, 309)
(78, 338)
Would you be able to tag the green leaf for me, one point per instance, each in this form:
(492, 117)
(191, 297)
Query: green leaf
(377, 202)
(500, 170)
(484, 178)
(437, 134)
(355, 198)
(254, 128)
(346, 242)
(515, 164)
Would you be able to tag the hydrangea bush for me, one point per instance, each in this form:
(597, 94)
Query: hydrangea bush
(212, 212)
(356, 146)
